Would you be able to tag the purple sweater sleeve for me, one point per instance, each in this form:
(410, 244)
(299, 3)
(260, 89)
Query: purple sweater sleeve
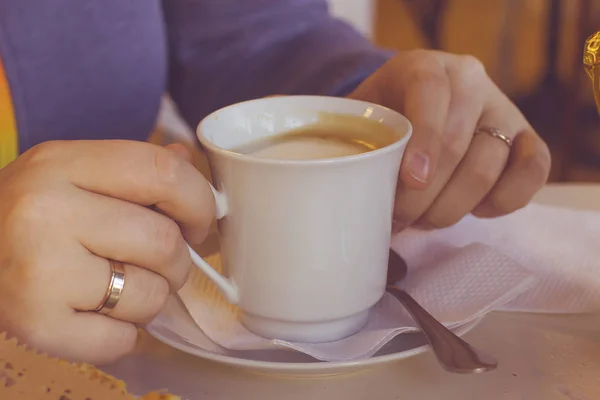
(225, 51)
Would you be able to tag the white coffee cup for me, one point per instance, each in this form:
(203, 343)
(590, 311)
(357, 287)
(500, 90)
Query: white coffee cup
(304, 243)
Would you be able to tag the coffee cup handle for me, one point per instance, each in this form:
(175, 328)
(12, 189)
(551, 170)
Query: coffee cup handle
(227, 287)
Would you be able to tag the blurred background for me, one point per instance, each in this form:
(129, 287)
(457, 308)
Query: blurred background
(531, 48)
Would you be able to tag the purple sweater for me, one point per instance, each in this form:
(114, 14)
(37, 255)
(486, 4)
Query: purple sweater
(84, 69)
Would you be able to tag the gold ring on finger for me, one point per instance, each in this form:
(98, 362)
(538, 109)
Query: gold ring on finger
(115, 288)
(496, 133)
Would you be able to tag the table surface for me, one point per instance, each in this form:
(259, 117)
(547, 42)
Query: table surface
(542, 357)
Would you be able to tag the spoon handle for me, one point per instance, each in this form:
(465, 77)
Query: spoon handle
(453, 353)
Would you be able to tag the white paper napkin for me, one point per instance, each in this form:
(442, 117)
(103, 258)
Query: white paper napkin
(542, 259)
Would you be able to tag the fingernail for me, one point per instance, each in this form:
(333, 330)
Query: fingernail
(418, 166)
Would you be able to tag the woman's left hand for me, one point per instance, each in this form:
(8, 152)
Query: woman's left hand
(455, 164)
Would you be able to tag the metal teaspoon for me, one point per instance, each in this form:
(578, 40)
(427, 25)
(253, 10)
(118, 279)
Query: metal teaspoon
(453, 353)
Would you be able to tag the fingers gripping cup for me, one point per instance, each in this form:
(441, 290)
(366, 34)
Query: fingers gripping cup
(305, 189)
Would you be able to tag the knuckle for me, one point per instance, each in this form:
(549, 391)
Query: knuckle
(471, 67)
(30, 209)
(453, 149)
(155, 296)
(468, 75)
(43, 152)
(483, 177)
(167, 168)
(429, 77)
(537, 164)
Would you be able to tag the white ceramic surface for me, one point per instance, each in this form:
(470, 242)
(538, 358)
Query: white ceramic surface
(176, 328)
(542, 357)
(304, 243)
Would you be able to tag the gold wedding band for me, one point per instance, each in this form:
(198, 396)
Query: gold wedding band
(495, 132)
(115, 288)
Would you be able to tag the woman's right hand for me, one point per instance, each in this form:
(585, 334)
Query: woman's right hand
(65, 209)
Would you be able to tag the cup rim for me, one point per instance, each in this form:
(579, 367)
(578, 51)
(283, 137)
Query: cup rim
(302, 162)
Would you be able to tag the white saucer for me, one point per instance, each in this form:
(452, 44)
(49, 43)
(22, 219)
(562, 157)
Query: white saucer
(176, 328)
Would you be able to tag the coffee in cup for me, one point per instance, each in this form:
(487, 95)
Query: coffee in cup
(333, 135)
